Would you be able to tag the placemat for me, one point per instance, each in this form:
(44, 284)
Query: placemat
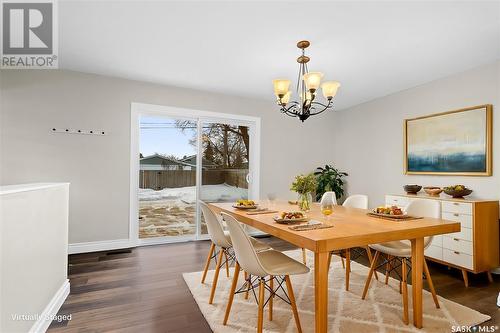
(267, 211)
(305, 227)
(406, 218)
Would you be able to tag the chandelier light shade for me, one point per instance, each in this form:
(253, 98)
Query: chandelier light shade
(329, 89)
(281, 87)
(308, 84)
(313, 80)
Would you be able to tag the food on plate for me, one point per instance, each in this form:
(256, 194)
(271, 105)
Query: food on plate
(292, 215)
(245, 203)
(393, 210)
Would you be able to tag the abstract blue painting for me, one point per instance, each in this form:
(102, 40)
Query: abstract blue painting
(456, 142)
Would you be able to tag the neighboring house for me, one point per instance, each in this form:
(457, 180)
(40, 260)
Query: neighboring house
(159, 162)
(206, 164)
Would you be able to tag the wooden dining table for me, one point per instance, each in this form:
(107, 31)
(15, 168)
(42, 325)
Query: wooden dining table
(351, 227)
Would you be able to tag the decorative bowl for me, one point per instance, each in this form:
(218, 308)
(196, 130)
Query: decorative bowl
(458, 194)
(433, 190)
(412, 189)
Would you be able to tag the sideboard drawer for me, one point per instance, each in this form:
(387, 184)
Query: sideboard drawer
(392, 200)
(456, 244)
(435, 252)
(464, 233)
(457, 207)
(458, 258)
(464, 219)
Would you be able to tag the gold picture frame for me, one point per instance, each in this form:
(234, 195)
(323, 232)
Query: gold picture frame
(414, 166)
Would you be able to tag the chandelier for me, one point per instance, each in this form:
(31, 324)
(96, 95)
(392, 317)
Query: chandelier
(307, 88)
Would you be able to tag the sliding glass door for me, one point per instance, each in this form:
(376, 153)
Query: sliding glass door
(167, 178)
(225, 173)
(183, 160)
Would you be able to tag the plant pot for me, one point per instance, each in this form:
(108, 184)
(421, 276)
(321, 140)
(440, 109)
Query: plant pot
(304, 201)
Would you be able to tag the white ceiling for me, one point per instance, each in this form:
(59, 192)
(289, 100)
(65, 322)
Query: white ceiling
(373, 48)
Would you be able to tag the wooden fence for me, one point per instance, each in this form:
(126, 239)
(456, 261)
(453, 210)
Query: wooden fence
(158, 180)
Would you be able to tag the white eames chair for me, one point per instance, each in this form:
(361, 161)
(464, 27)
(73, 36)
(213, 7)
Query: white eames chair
(359, 201)
(399, 252)
(267, 267)
(221, 240)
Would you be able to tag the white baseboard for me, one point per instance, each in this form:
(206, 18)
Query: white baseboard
(42, 324)
(100, 246)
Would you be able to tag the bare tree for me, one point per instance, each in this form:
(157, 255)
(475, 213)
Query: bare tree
(224, 145)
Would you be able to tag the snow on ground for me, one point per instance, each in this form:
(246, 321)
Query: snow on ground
(171, 211)
(211, 193)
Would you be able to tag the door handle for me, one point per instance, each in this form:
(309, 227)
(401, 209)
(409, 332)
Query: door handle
(456, 214)
(456, 252)
(456, 239)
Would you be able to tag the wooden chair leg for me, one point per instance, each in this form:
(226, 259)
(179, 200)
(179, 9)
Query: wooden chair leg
(347, 268)
(216, 277)
(370, 259)
(329, 259)
(248, 280)
(369, 278)
(207, 263)
(304, 256)
(387, 269)
(431, 285)
(466, 278)
(260, 319)
(271, 296)
(490, 277)
(292, 303)
(343, 264)
(231, 292)
(405, 291)
(227, 264)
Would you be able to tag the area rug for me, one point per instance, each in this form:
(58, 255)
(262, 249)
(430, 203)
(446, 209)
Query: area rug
(381, 311)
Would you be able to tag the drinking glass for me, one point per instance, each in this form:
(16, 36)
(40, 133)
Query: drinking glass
(271, 197)
(327, 206)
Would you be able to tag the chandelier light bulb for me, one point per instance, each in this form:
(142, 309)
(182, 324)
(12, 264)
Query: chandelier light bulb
(286, 98)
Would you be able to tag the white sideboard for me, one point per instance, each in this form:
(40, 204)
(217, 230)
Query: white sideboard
(33, 255)
(476, 247)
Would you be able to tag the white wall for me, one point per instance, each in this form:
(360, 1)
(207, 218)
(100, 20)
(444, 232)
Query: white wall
(369, 137)
(33, 102)
(34, 254)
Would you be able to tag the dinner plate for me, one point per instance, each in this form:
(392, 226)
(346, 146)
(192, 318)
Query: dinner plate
(244, 207)
(403, 216)
(277, 219)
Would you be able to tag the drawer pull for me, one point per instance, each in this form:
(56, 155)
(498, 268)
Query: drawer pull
(456, 252)
(456, 203)
(456, 214)
(456, 239)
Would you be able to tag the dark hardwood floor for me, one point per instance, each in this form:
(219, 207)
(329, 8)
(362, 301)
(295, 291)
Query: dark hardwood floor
(142, 290)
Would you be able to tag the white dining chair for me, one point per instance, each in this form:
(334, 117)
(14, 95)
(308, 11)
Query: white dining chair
(220, 239)
(359, 201)
(268, 267)
(400, 253)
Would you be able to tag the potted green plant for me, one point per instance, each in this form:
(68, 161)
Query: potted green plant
(329, 179)
(304, 185)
